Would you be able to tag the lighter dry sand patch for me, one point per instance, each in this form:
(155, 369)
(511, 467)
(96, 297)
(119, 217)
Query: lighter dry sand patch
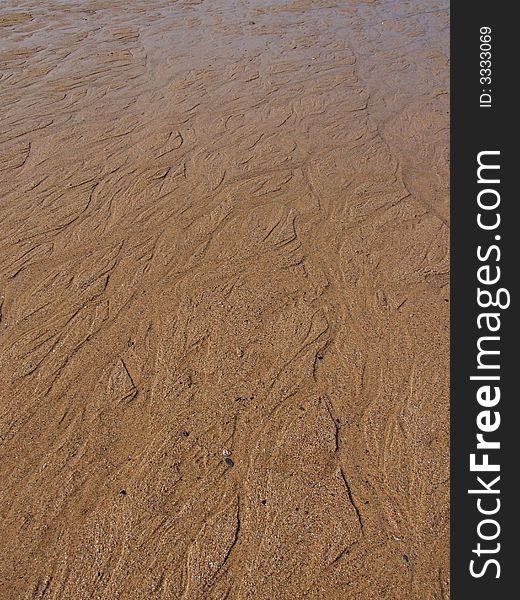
(224, 299)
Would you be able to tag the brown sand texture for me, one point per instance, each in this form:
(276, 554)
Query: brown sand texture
(224, 299)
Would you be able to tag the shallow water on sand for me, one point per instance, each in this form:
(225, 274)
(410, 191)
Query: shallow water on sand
(224, 234)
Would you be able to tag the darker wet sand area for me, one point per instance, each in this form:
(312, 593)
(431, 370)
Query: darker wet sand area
(224, 301)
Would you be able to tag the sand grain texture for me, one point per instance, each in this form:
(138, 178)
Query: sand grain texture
(224, 308)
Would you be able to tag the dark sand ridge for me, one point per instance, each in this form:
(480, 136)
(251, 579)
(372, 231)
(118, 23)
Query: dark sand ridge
(224, 300)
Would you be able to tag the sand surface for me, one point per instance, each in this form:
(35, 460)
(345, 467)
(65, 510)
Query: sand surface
(224, 299)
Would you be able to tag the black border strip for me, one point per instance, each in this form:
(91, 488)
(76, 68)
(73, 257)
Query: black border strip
(474, 129)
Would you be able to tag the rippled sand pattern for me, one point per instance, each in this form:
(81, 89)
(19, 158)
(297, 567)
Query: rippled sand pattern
(224, 299)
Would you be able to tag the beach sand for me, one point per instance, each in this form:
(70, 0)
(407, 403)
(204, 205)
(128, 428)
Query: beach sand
(224, 303)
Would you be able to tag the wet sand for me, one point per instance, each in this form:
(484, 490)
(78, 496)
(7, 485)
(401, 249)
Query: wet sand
(224, 300)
